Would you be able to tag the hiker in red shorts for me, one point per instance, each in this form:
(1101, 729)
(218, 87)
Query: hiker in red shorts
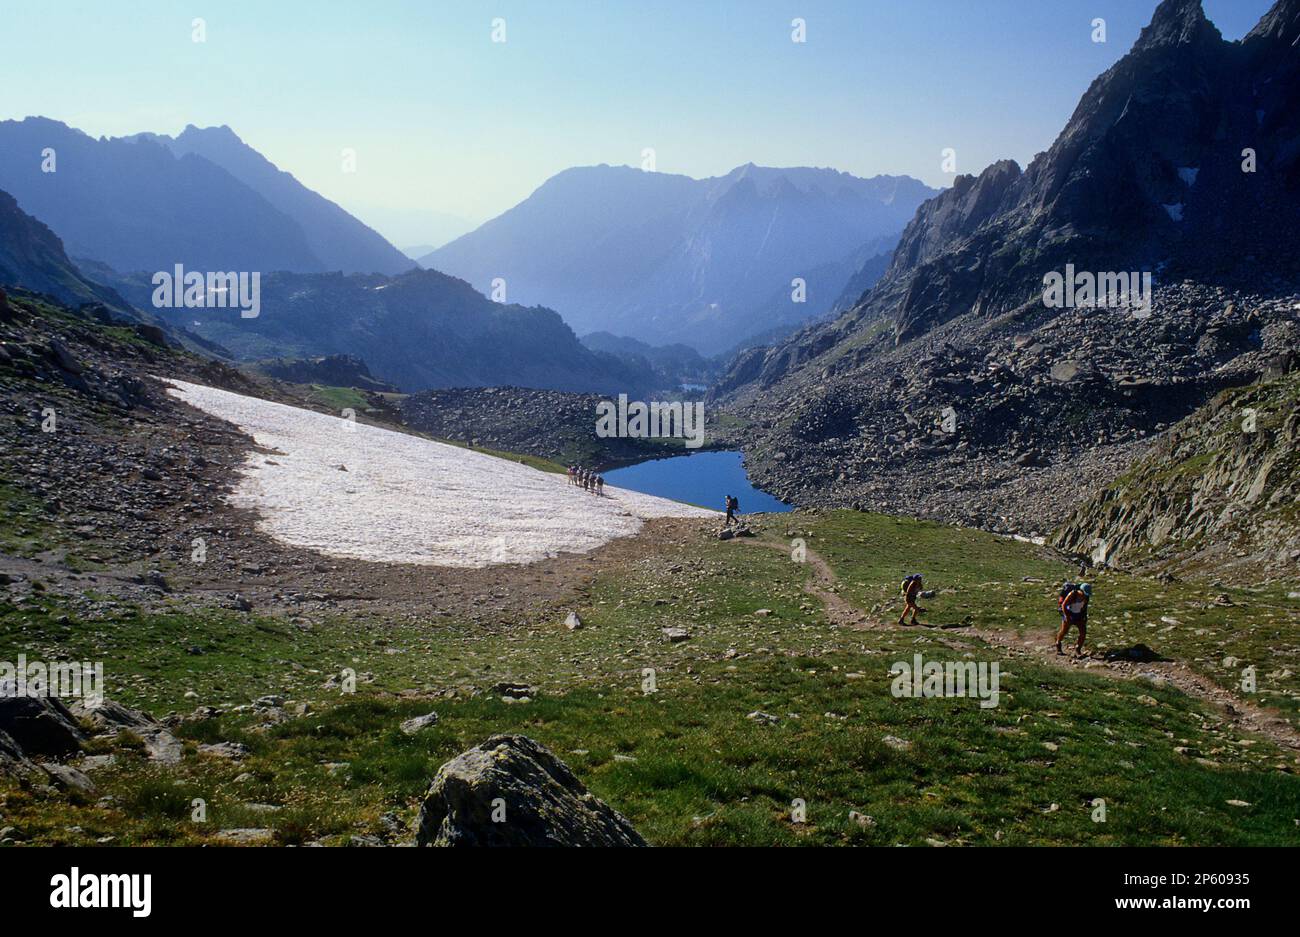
(911, 590)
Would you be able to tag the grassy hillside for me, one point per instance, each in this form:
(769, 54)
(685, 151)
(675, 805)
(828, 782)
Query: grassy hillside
(686, 764)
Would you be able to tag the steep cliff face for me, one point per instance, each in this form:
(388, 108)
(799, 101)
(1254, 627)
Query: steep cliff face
(1220, 492)
(32, 257)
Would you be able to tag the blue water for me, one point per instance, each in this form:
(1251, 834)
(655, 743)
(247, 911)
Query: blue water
(702, 478)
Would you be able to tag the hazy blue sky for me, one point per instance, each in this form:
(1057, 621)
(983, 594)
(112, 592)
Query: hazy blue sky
(445, 120)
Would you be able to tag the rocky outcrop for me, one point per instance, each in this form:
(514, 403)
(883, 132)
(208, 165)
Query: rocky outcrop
(111, 718)
(14, 763)
(1220, 492)
(330, 370)
(39, 725)
(549, 424)
(511, 791)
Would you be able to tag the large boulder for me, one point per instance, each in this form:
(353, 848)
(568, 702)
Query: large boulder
(110, 718)
(14, 762)
(40, 725)
(511, 791)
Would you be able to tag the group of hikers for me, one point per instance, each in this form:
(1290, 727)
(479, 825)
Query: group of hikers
(586, 479)
(1072, 603)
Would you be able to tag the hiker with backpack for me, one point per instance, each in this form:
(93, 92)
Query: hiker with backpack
(600, 485)
(733, 507)
(910, 589)
(1073, 603)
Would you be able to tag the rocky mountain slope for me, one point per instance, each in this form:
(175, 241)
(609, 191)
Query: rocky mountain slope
(32, 258)
(549, 424)
(1220, 491)
(666, 258)
(1049, 403)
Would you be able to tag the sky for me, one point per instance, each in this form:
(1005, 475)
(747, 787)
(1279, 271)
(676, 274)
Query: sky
(450, 128)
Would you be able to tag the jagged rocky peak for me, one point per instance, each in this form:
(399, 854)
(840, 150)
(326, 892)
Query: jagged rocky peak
(955, 213)
(1282, 22)
(1177, 22)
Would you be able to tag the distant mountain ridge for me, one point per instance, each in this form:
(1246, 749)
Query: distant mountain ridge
(418, 330)
(667, 258)
(337, 239)
(204, 200)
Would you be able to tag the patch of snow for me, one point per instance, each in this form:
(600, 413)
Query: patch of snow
(1175, 211)
(1188, 175)
(403, 499)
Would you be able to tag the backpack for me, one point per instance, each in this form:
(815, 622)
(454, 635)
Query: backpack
(1075, 597)
(902, 589)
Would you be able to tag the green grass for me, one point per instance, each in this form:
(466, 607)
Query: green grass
(683, 763)
(532, 461)
(984, 577)
(338, 398)
(23, 528)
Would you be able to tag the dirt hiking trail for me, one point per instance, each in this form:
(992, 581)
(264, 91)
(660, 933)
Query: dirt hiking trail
(823, 585)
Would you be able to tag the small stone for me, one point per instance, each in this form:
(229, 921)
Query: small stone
(232, 751)
(414, 725)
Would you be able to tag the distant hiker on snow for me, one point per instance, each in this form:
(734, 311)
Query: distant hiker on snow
(1073, 601)
(573, 474)
(911, 591)
(600, 485)
(733, 508)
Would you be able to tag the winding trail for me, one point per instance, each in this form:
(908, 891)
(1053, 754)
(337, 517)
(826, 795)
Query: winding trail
(823, 585)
